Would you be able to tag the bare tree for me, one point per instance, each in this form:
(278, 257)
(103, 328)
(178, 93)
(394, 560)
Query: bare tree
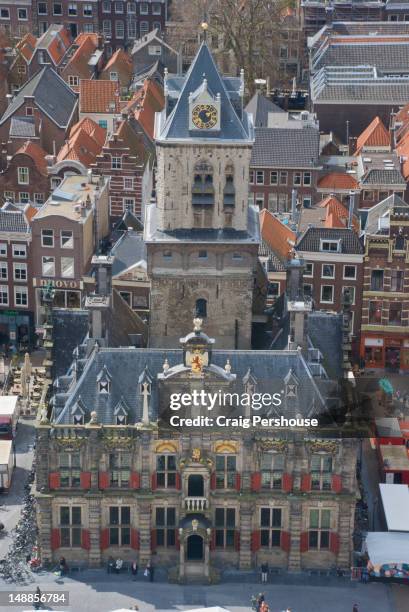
(244, 34)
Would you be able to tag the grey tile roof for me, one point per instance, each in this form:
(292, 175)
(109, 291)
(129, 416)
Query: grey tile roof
(225, 235)
(310, 240)
(274, 263)
(382, 176)
(176, 126)
(13, 221)
(352, 28)
(325, 333)
(286, 148)
(22, 127)
(357, 85)
(70, 326)
(391, 56)
(51, 94)
(259, 106)
(125, 366)
(129, 250)
(371, 220)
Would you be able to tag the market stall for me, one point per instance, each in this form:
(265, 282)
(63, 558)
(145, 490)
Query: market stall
(388, 555)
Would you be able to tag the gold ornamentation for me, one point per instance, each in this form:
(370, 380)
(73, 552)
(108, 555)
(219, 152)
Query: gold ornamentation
(69, 444)
(328, 446)
(113, 441)
(197, 362)
(276, 445)
(226, 446)
(166, 446)
(196, 454)
(204, 116)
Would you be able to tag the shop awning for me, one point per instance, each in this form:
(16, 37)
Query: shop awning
(387, 547)
(395, 501)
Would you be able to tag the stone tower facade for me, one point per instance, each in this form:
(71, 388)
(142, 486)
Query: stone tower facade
(201, 234)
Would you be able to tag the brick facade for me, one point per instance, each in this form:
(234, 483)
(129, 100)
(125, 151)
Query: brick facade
(385, 307)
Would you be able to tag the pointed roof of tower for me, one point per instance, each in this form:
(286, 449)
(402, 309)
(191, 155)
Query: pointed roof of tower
(232, 127)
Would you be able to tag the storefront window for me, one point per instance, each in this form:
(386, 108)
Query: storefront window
(373, 355)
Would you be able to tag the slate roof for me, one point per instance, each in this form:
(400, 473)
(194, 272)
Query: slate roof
(286, 148)
(176, 126)
(51, 94)
(383, 176)
(13, 221)
(70, 326)
(353, 85)
(125, 366)
(226, 235)
(310, 240)
(388, 56)
(382, 209)
(128, 251)
(22, 127)
(128, 221)
(259, 106)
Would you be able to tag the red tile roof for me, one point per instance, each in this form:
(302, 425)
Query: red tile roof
(145, 103)
(36, 153)
(99, 97)
(59, 45)
(278, 236)
(375, 135)
(338, 180)
(85, 142)
(120, 60)
(27, 45)
(94, 130)
(403, 114)
(86, 36)
(337, 214)
(30, 212)
(79, 60)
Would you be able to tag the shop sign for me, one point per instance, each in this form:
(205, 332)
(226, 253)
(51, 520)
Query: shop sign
(10, 313)
(59, 284)
(392, 342)
(373, 342)
(12, 335)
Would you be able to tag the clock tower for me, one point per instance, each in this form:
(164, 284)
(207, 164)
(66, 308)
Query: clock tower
(201, 234)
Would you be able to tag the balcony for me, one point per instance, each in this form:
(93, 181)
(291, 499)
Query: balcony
(196, 504)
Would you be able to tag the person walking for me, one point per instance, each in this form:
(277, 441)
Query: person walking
(151, 573)
(111, 565)
(355, 608)
(118, 565)
(264, 572)
(134, 570)
(147, 572)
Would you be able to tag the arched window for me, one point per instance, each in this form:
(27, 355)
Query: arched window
(229, 192)
(201, 308)
(202, 188)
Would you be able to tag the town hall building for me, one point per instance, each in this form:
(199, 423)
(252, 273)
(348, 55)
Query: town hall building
(115, 476)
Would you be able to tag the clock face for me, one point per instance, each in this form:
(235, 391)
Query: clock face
(204, 116)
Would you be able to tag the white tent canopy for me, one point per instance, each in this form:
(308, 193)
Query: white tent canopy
(395, 501)
(387, 547)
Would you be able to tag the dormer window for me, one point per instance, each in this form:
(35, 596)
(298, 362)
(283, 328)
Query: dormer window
(121, 413)
(203, 189)
(78, 413)
(103, 387)
(104, 382)
(330, 246)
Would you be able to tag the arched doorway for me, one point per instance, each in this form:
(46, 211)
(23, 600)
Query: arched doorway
(194, 551)
(195, 485)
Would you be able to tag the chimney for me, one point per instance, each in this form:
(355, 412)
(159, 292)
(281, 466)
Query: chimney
(9, 98)
(297, 305)
(98, 304)
(293, 205)
(351, 208)
(352, 145)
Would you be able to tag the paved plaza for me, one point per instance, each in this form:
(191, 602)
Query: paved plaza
(96, 592)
